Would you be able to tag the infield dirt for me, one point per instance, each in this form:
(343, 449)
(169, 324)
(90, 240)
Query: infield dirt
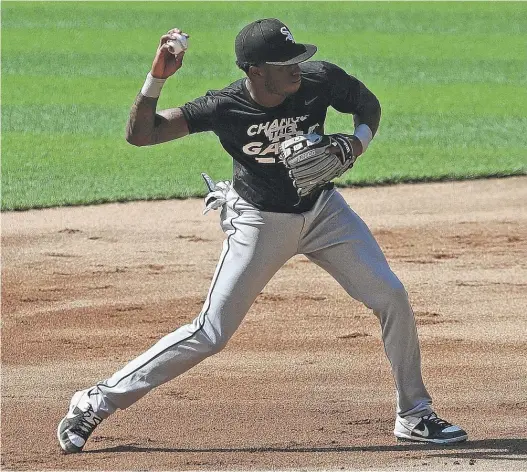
(304, 383)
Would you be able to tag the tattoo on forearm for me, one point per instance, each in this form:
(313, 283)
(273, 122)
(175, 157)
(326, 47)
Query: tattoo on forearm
(146, 127)
(141, 122)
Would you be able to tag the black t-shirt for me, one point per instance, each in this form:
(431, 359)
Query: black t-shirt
(251, 133)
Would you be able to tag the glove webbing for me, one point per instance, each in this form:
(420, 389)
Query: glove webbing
(323, 168)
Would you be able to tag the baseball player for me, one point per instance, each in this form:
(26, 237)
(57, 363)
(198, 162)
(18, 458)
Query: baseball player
(279, 203)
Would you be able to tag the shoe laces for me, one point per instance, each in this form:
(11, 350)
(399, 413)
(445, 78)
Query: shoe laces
(85, 423)
(433, 418)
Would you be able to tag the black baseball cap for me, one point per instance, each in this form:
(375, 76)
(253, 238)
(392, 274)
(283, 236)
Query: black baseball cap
(269, 41)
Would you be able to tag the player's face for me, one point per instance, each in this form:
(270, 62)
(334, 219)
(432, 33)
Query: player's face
(282, 80)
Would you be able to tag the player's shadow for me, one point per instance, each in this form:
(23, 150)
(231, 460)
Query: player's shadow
(495, 449)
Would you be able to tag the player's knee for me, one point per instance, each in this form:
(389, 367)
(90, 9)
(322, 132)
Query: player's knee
(400, 298)
(397, 289)
(210, 339)
(213, 346)
(392, 295)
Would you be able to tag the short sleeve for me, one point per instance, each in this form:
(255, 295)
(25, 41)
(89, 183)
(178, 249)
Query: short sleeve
(200, 113)
(345, 89)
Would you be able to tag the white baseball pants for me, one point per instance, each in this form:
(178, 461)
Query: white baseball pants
(259, 243)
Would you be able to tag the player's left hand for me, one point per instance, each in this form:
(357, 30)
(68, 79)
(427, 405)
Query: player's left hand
(314, 160)
(356, 146)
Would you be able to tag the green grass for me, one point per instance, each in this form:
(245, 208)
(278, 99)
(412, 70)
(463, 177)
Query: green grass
(451, 78)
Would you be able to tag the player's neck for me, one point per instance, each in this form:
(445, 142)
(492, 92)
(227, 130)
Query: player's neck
(262, 97)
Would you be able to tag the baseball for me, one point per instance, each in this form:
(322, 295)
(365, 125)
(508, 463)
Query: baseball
(178, 44)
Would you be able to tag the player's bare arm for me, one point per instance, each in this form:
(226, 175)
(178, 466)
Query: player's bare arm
(145, 126)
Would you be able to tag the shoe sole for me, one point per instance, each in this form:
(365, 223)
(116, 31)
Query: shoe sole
(69, 448)
(404, 437)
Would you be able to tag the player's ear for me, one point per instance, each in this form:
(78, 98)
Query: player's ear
(255, 72)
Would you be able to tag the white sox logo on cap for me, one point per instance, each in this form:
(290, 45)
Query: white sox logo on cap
(287, 34)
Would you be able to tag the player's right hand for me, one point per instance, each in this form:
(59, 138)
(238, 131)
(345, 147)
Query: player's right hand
(165, 63)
